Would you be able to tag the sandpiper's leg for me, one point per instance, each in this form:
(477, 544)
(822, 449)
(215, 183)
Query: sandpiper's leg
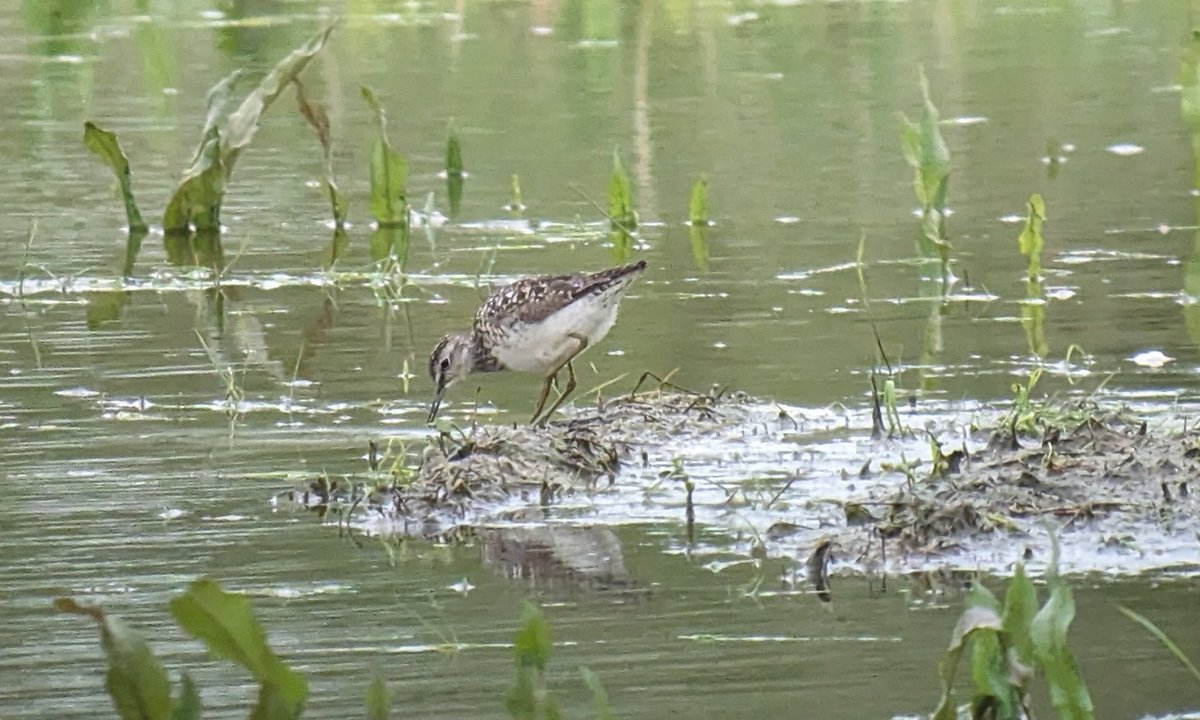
(570, 388)
(541, 403)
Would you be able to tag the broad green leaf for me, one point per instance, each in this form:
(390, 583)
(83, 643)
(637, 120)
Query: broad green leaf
(389, 241)
(1030, 240)
(136, 680)
(389, 204)
(989, 673)
(926, 152)
(243, 122)
(187, 707)
(521, 699)
(620, 196)
(599, 695)
(1154, 630)
(378, 702)
(272, 705)
(227, 626)
(972, 620)
(1048, 632)
(105, 146)
(980, 596)
(698, 205)
(1020, 605)
(197, 201)
(316, 116)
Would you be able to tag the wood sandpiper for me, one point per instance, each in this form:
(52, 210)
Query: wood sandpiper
(536, 325)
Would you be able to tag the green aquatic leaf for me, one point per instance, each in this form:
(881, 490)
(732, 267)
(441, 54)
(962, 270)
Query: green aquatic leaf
(187, 707)
(390, 241)
(974, 619)
(698, 205)
(136, 680)
(243, 122)
(389, 204)
(1030, 241)
(621, 214)
(1048, 635)
(1020, 605)
(227, 626)
(196, 203)
(533, 644)
(105, 146)
(926, 152)
(316, 116)
(379, 705)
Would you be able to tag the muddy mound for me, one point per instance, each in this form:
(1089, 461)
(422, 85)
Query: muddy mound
(466, 476)
(1105, 465)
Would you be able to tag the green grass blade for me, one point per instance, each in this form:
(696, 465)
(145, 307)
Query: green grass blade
(698, 205)
(105, 146)
(1154, 630)
(389, 203)
(136, 680)
(1030, 240)
(621, 214)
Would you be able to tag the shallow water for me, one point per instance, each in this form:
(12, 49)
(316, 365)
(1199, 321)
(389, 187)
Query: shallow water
(125, 478)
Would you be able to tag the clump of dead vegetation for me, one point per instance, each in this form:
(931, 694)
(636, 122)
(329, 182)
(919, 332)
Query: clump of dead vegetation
(1073, 461)
(463, 474)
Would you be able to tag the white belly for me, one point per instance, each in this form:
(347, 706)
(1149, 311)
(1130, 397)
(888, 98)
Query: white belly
(542, 347)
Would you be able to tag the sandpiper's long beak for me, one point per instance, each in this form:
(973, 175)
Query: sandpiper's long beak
(437, 402)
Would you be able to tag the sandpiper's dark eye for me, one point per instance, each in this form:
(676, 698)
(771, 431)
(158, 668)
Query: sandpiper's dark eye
(445, 363)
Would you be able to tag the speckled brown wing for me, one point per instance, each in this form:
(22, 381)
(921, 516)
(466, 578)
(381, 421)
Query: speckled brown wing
(531, 300)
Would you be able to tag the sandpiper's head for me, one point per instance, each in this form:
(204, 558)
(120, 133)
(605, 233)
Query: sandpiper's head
(450, 361)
